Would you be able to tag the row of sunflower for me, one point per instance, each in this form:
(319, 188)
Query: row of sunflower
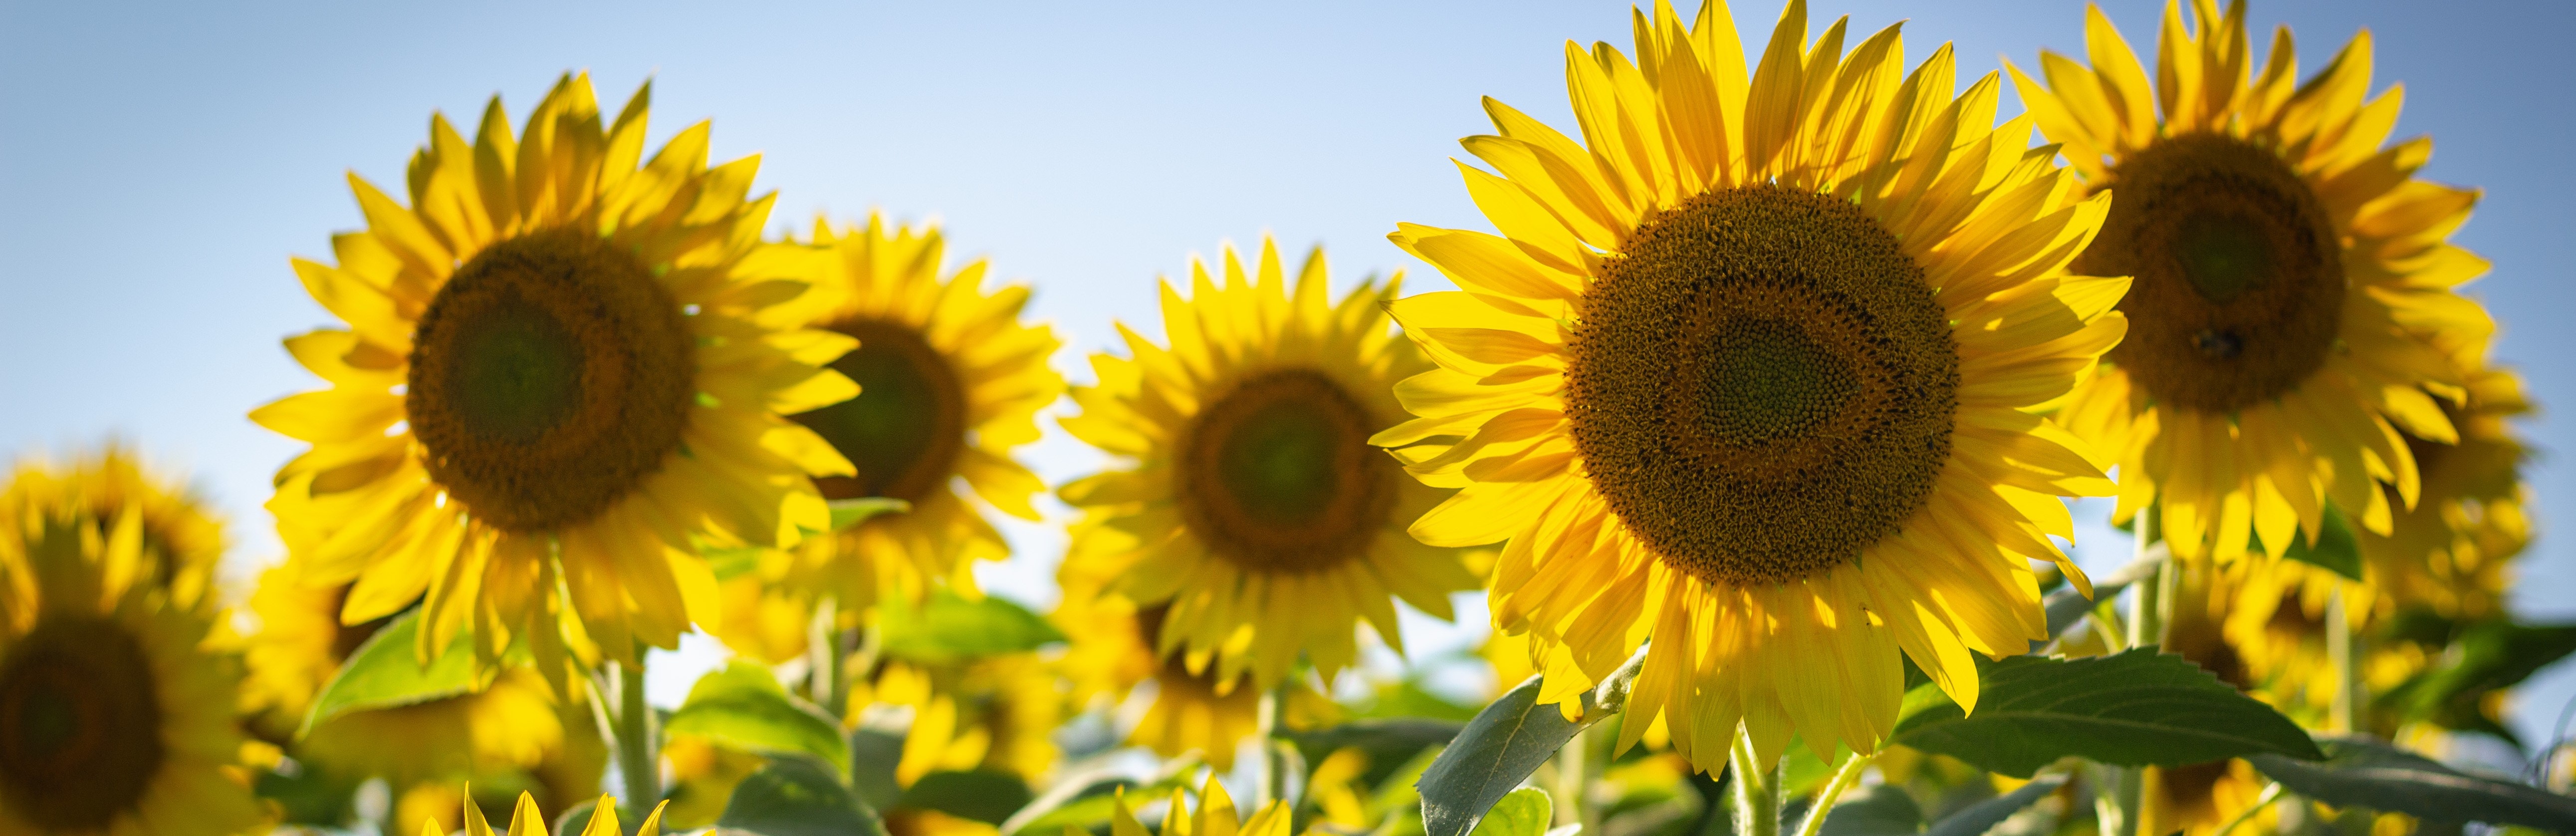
(1756, 423)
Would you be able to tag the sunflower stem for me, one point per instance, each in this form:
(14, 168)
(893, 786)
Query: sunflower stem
(639, 757)
(823, 658)
(2343, 648)
(1270, 782)
(1571, 781)
(1757, 791)
(2153, 600)
(1844, 777)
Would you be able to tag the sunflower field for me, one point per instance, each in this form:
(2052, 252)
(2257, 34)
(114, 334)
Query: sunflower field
(1753, 420)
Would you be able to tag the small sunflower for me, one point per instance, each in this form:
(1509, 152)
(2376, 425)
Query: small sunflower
(527, 819)
(563, 373)
(1254, 515)
(994, 713)
(182, 540)
(512, 731)
(2451, 551)
(114, 715)
(1111, 652)
(1215, 816)
(1756, 372)
(950, 380)
(2293, 283)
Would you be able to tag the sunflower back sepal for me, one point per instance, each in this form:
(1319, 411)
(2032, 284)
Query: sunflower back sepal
(2139, 707)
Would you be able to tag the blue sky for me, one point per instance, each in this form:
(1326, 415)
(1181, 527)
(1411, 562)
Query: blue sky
(161, 163)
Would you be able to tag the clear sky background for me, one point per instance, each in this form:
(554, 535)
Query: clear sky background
(160, 163)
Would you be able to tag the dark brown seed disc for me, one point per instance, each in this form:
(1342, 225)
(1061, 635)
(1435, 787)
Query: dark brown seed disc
(1762, 385)
(80, 724)
(2239, 282)
(906, 428)
(1277, 476)
(549, 377)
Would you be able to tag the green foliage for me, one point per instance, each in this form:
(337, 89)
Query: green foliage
(949, 628)
(2135, 708)
(850, 512)
(876, 748)
(744, 707)
(1388, 742)
(1882, 810)
(386, 672)
(2365, 773)
(1984, 815)
(982, 795)
(731, 562)
(1503, 745)
(2336, 549)
(2486, 657)
(797, 796)
(309, 796)
(1523, 812)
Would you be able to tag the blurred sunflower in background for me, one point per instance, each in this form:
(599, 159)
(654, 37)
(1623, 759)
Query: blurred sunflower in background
(1215, 816)
(1755, 371)
(509, 737)
(528, 819)
(115, 717)
(951, 379)
(563, 370)
(1249, 510)
(182, 540)
(2294, 285)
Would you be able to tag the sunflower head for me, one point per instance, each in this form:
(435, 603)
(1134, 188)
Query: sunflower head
(1756, 369)
(1248, 506)
(182, 539)
(114, 714)
(563, 370)
(2294, 289)
(951, 378)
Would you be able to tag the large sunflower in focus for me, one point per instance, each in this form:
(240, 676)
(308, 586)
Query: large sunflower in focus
(950, 380)
(564, 370)
(2293, 283)
(1255, 516)
(114, 717)
(182, 541)
(1754, 371)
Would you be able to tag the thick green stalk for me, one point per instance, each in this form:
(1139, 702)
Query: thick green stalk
(1573, 778)
(2343, 648)
(1844, 778)
(639, 753)
(829, 685)
(1269, 784)
(1757, 792)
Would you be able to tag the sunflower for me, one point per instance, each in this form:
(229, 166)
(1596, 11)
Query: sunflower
(1111, 651)
(1755, 372)
(951, 379)
(527, 819)
(512, 732)
(114, 717)
(1214, 817)
(563, 373)
(994, 713)
(2449, 553)
(182, 540)
(1254, 516)
(2292, 283)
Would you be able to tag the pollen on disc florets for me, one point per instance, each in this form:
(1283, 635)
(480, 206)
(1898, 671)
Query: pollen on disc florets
(549, 377)
(907, 426)
(1277, 475)
(80, 723)
(1761, 384)
(2239, 277)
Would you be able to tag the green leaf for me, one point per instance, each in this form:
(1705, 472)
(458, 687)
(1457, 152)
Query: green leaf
(2136, 708)
(876, 747)
(1503, 745)
(2336, 549)
(2487, 657)
(985, 796)
(2359, 772)
(743, 706)
(385, 672)
(851, 512)
(2066, 604)
(1880, 810)
(949, 628)
(1984, 815)
(1523, 812)
(796, 796)
(731, 562)
(1388, 742)
(309, 796)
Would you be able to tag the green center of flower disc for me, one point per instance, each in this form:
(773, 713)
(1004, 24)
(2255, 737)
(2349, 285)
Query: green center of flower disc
(1277, 474)
(905, 430)
(80, 724)
(549, 377)
(1761, 385)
